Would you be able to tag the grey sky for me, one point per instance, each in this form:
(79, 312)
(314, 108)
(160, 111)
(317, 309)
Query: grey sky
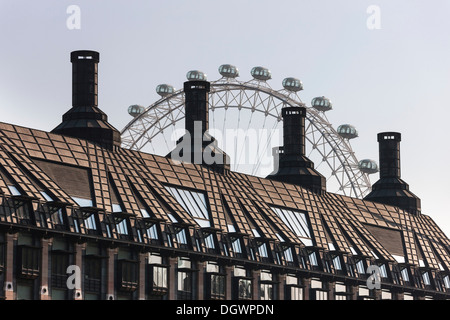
(391, 79)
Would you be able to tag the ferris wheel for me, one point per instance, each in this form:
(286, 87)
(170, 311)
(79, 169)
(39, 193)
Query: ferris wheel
(245, 119)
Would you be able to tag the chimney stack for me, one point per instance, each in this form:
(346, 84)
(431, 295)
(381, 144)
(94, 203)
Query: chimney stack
(390, 189)
(293, 166)
(85, 120)
(197, 145)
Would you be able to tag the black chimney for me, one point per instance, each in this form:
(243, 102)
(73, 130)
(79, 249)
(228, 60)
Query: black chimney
(201, 147)
(85, 120)
(390, 189)
(293, 166)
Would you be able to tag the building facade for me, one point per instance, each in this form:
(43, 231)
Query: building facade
(83, 218)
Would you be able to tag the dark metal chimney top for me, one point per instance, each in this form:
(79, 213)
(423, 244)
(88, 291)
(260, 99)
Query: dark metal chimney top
(201, 147)
(390, 189)
(293, 166)
(85, 120)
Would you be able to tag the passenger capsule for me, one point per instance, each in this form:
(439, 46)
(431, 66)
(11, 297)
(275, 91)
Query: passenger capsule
(347, 131)
(261, 73)
(228, 71)
(368, 166)
(321, 104)
(195, 75)
(135, 110)
(165, 90)
(292, 84)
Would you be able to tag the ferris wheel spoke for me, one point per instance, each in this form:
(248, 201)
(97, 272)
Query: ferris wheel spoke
(251, 97)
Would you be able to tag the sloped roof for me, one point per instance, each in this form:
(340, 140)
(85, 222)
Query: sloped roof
(65, 168)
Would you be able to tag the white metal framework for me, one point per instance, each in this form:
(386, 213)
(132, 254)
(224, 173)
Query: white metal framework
(243, 106)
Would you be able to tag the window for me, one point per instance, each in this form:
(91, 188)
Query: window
(426, 278)
(159, 278)
(14, 191)
(217, 286)
(128, 275)
(209, 242)
(194, 203)
(82, 202)
(92, 274)
(383, 271)
(184, 285)
(46, 196)
(447, 282)
(266, 291)
(337, 263)
(295, 293)
(296, 221)
(313, 259)
(262, 249)
(288, 255)
(236, 246)
(181, 237)
(405, 275)
(122, 227)
(90, 222)
(360, 267)
(57, 217)
(152, 232)
(319, 294)
(28, 261)
(244, 289)
(60, 262)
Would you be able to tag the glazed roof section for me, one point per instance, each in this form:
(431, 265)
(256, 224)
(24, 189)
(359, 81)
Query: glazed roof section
(43, 165)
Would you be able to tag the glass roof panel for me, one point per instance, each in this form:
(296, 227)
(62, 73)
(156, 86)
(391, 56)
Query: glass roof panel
(194, 203)
(296, 222)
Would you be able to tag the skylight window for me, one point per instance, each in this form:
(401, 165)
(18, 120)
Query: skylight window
(194, 203)
(256, 233)
(14, 191)
(82, 202)
(399, 259)
(145, 213)
(116, 207)
(297, 222)
(46, 196)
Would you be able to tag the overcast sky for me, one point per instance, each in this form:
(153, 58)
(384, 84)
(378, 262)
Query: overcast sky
(386, 74)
